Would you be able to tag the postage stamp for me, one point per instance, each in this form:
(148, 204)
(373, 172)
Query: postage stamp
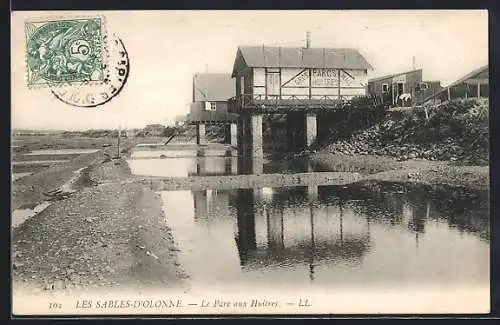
(87, 95)
(65, 51)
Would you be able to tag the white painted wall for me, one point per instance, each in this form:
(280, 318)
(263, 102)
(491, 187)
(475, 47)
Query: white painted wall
(325, 82)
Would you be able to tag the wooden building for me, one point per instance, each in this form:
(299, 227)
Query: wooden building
(403, 89)
(211, 92)
(474, 84)
(296, 81)
(285, 73)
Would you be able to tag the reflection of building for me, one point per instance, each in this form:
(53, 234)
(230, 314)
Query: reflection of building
(392, 87)
(214, 166)
(208, 201)
(297, 233)
(211, 92)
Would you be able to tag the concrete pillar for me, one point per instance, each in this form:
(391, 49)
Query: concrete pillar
(234, 165)
(311, 128)
(312, 192)
(231, 166)
(200, 167)
(257, 163)
(234, 134)
(200, 134)
(256, 135)
(242, 131)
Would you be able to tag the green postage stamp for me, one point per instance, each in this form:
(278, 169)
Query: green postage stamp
(65, 51)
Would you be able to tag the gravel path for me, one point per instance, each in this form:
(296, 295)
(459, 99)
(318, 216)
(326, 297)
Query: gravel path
(112, 233)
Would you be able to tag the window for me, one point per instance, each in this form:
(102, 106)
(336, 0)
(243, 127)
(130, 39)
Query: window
(423, 86)
(210, 106)
(385, 88)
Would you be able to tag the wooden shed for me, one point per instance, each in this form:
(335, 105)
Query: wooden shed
(474, 84)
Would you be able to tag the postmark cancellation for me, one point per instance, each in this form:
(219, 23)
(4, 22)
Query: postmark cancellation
(65, 51)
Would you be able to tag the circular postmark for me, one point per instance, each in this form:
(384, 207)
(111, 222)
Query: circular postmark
(88, 95)
(65, 51)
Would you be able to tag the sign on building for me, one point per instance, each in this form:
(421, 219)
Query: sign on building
(324, 78)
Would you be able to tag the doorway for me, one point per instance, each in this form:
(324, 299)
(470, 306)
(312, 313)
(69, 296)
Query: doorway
(273, 83)
(397, 90)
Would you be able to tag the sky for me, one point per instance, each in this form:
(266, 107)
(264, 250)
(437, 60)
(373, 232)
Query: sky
(167, 47)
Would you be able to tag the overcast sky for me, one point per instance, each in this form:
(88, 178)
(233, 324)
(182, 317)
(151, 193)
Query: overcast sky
(167, 47)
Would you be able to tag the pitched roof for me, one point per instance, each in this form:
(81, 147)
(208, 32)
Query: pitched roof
(216, 87)
(392, 75)
(299, 57)
(471, 74)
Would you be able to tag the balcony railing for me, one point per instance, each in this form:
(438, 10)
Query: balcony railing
(294, 102)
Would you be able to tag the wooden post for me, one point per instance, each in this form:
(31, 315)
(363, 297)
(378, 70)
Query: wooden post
(478, 89)
(119, 135)
(449, 95)
(339, 82)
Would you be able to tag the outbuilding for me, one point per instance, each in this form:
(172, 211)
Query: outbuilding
(403, 88)
(211, 92)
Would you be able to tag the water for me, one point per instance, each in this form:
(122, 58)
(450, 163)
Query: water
(182, 163)
(16, 176)
(60, 151)
(39, 162)
(190, 162)
(182, 153)
(329, 237)
(375, 235)
(184, 166)
(19, 216)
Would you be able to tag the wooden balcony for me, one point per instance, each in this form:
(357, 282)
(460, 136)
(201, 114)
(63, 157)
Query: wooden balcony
(274, 104)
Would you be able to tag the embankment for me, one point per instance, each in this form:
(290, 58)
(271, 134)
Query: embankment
(456, 131)
(111, 234)
(443, 144)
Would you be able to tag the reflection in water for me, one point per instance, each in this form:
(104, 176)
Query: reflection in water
(337, 235)
(203, 162)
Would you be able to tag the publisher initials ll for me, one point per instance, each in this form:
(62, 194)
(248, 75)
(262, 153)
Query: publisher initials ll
(304, 303)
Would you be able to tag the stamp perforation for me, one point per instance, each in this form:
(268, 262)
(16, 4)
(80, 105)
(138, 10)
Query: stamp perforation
(104, 51)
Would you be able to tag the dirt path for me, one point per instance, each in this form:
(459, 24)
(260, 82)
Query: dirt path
(111, 233)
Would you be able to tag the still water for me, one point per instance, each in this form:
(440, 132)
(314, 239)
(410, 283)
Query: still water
(329, 236)
(60, 151)
(368, 235)
(183, 163)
